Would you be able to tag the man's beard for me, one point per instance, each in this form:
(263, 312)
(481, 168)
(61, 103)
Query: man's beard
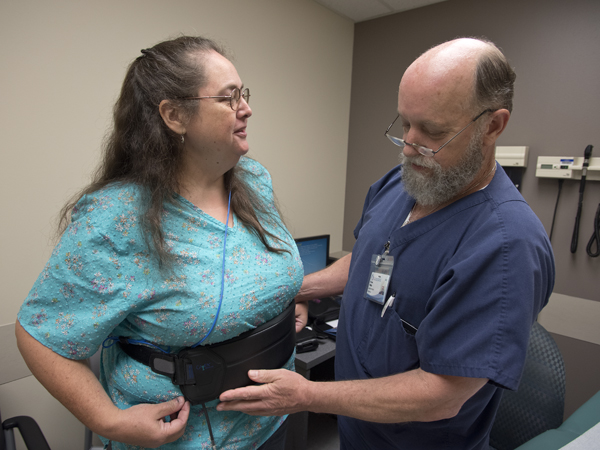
(441, 185)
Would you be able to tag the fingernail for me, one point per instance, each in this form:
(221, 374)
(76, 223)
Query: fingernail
(253, 373)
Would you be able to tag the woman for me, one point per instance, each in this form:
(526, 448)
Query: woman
(176, 242)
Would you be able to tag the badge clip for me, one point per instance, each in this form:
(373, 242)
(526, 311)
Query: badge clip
(382, 266)
(386, 251)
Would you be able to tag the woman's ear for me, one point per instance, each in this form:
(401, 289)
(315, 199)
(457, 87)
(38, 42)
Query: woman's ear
(496, 126)
(172, 117)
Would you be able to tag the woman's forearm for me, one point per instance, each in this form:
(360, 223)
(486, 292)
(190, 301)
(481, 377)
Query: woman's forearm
(71, 382)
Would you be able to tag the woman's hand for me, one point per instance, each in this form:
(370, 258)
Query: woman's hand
(301, 315)
(73, 384)
(145, 424)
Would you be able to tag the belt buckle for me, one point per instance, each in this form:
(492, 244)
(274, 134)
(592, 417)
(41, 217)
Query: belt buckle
(203, 374)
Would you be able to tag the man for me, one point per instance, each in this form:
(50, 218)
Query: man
(424, 366)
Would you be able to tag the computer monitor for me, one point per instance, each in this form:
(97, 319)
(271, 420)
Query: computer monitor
(314, 252)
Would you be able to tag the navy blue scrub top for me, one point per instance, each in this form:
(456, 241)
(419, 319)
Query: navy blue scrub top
(471, 278)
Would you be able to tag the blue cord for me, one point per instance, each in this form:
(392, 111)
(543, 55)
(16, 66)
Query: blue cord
(150, 344)
(222, 277)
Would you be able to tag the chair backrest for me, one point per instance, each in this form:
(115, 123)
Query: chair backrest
(538, 405)
(30, 432)
(2, 438)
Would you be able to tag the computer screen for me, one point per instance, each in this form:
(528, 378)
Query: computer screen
(314, 251)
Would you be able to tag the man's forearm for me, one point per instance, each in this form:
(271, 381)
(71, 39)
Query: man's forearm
(408, 397)
(326, 282)
(415, 396)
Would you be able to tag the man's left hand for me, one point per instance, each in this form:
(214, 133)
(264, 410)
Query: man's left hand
(281, 392)
(301, 315)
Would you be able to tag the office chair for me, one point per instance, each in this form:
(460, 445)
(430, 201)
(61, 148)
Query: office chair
(538, 405)
(30, 431)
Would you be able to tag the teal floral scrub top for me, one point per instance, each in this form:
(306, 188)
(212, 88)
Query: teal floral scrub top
(102, 281)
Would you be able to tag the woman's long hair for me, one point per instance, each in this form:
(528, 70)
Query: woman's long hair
(142, 150)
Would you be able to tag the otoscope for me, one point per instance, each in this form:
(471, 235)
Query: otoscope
(586, 162)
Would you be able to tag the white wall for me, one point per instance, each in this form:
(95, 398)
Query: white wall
(62, 66)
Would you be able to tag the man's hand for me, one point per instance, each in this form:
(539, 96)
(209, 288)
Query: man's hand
(281, 392)
(145, 424)
(413, 396)
(301, 315)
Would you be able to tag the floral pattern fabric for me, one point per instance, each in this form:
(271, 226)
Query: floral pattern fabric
(101, 280)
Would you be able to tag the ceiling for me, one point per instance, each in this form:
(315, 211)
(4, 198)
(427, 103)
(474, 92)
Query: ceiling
(359, 10)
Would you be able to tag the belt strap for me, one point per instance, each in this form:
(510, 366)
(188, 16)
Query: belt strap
(204, 372)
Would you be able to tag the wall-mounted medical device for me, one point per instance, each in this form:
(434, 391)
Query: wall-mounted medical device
(566, 167)
(512, 156)
(574, 168)
(513, 160)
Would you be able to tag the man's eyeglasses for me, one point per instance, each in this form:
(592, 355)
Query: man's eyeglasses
(234, 98)
(424, 150)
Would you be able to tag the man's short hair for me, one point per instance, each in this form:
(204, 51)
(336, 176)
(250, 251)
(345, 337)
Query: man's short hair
(494, 80)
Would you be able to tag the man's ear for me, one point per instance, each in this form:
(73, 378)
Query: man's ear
(496, 126)
(172, 116)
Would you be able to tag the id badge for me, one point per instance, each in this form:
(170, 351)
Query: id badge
(379, 278)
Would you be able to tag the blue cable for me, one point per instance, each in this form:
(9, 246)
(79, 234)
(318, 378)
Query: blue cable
(222, 277)
(150, 344)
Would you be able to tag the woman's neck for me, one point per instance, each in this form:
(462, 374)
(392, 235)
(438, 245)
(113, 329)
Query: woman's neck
(204, 186)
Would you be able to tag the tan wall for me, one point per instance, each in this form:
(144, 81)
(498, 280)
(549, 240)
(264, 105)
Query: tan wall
(62, 66)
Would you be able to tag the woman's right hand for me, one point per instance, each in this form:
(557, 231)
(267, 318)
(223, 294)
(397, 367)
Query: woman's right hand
(73, 384)
(145, 424)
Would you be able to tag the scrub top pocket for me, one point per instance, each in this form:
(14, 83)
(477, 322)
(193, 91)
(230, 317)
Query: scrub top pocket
(387, 347)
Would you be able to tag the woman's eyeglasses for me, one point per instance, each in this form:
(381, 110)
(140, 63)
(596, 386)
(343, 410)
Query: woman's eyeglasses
(234, 98)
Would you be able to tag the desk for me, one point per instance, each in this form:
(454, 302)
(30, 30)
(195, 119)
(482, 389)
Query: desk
(306, 361)
(298, 426)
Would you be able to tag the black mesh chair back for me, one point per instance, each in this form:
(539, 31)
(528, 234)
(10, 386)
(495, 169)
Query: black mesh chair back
(538, 405)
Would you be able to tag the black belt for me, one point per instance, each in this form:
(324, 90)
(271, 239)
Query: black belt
(204, 372)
